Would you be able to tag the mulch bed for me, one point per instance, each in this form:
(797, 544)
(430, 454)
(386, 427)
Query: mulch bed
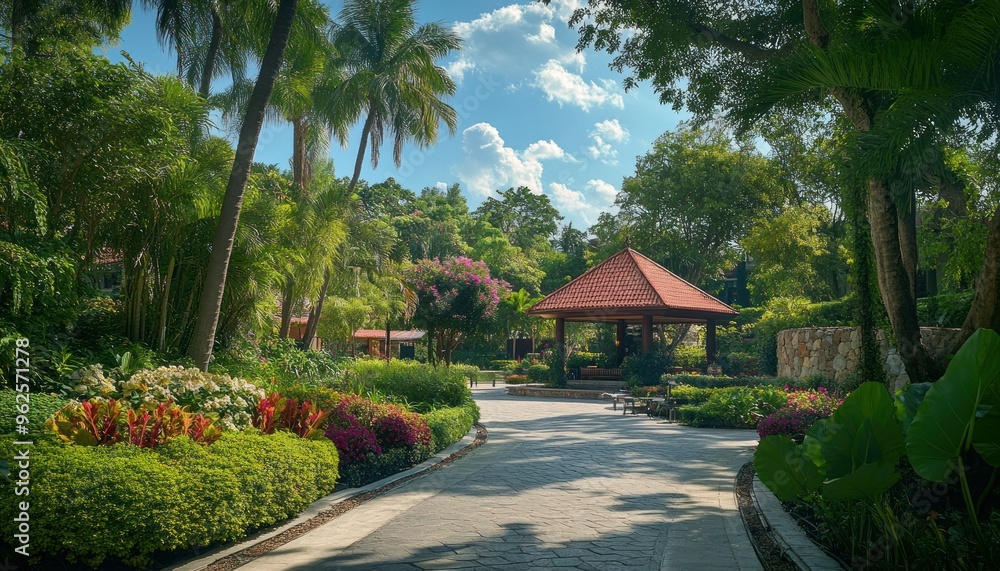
(249, 554)
(772, 557)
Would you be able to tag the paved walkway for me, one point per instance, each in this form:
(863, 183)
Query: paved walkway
(560, 484)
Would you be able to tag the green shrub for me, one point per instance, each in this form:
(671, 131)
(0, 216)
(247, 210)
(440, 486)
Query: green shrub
(449, 425)
(92, 503)
(695, 395)
(645, 368)
(422, 387)
(382, 465)
(735, 407)
(505, 364)
(738, 364)
(586, 359)
(40, 407)
(718, 381)
(944, 310)
(689, 357)
(538, 373)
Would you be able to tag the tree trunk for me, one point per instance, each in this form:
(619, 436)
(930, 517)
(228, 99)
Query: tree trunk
(165, 304)
(894, 284)
(388, 340)
(222, 243)
(365, 132)
(287, 293)
(300, 155)
(208, 69)
(430, 346)
(985, 310)
(317, 311)
(18, 16)
(908, 244)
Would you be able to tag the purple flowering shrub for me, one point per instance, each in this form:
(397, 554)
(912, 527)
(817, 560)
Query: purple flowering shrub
(804, 408)
(455, 297)
(361, 428)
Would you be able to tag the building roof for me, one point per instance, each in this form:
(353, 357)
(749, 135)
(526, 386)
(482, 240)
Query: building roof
(402, 336)
(627, 286)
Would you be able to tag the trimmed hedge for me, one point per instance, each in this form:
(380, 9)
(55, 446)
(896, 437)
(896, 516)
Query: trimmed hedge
(93, 503)
(382, 465)
(449, 425)
(424, 387)
(40, 407)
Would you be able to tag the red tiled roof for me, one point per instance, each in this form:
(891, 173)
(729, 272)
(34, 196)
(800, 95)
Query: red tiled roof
(394, 335)
(629, 280)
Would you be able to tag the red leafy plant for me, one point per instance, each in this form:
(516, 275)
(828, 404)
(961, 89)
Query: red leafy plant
(99, 422)
(804, 408)
(149, 430)
(277, 412)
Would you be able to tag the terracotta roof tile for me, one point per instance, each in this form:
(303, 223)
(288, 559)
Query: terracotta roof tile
(630, 280)
(394, 335)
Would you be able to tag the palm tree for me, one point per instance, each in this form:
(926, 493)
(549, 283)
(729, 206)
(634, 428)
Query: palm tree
(393, 79)
(210, 302)
(19, 16)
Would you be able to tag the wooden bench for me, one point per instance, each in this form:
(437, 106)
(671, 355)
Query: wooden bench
(601, 373)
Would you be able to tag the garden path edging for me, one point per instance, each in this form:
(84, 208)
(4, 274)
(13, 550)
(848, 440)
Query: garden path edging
(801, 550)
(474, 438)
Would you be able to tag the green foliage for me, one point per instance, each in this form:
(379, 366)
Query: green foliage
(718, 381)
(947, 422)
(37, 281)
(423, 387)
(449, 425)
(689, 356)
(734, 407)
(585, 359)
(852, 455)
(135, 502)
(538, 373)
(944, 310)
(376, 467)
(41, 408)
(505, 364)
(644, 368)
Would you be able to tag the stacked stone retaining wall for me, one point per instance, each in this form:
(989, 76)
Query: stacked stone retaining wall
(834, 352)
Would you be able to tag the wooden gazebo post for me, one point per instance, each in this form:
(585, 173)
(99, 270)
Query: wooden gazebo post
(710, 348)
(647, 333)
(620, 339)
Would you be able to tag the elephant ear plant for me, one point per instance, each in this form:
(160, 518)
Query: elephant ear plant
(959, 414)
(852, 455)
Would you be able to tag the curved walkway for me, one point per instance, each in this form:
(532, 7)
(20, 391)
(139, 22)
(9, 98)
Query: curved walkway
(560, 484)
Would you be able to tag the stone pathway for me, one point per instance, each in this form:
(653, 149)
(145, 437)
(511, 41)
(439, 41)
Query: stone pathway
(560, 484)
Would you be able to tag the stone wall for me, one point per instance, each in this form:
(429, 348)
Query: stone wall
(834, 352)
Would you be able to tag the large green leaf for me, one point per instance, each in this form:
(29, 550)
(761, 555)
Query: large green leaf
(784, 468)
(942, 428)
(908, 400)
(864, 429)
(986, 437)
(866, 482)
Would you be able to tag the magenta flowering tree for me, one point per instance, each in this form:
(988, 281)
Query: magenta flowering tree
(456, 297)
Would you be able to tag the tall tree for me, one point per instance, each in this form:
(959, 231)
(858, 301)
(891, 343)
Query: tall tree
(210, 303)
(393, 77)
(727, 56)
(527, 218)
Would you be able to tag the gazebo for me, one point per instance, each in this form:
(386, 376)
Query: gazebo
(631, 288)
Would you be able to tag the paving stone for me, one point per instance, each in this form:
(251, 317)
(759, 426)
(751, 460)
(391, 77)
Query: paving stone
(560, 484)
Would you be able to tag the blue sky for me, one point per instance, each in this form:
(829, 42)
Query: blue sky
(532, 111)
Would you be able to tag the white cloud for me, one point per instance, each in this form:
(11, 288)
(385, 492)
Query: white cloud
(490, 164)
(495, 41)
(546, 35)
(603, 189)
(605, 133)
(441, 186)
(611, 130)
(564, 86)
(570, 200)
